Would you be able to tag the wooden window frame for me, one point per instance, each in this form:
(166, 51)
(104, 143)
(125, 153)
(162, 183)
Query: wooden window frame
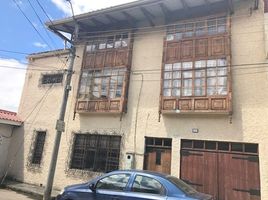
(214, 46)
(217, 148)
(117, 74)
(120, 40)
(153, 142)
(194, 77)
(106, 59)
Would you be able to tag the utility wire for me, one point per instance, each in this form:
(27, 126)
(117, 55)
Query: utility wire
(44, 11)
(16, 52)
(34, 27)
(40, 102)
(42, 66)
(38, 17)
(27, 69)
(149, 71)
(30, 22)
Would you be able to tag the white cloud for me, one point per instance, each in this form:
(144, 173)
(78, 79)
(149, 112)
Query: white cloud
(38, 44)
(11, 83)
(82, 6)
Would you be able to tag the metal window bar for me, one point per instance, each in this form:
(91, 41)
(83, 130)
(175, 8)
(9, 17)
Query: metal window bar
(52, 78)
(39, 146)
(96, 152)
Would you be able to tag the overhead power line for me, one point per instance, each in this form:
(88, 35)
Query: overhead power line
(30, 22)
(44, 11)
(42, 24)
(28, 69)
(16, 52)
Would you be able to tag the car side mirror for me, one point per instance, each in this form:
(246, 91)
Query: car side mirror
(92, 187)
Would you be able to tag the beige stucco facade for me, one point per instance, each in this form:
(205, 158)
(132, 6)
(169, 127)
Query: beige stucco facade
(249, 122)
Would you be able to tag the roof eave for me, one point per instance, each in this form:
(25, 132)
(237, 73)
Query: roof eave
(102, 11)
(10, 122)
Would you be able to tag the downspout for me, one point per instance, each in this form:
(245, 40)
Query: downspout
(136, 120)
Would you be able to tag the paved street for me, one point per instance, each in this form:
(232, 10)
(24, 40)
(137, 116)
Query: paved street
(6, 194)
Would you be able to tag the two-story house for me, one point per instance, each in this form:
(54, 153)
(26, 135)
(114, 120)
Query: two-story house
(175, 86)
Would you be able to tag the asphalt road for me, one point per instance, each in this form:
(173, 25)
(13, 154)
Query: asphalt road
(11, 195)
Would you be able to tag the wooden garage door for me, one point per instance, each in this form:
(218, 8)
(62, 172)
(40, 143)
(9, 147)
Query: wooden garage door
(228, 171)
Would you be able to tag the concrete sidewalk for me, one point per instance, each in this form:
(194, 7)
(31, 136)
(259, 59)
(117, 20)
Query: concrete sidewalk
(7, 194)
(33, 190)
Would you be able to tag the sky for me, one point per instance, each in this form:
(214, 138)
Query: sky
(20, 37)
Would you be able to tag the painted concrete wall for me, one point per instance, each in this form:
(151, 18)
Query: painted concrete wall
(5, 138)
(249, 122)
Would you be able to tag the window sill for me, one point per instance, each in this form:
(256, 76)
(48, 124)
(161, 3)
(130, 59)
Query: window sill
(101, 112)
(100, 106)
(190, 112)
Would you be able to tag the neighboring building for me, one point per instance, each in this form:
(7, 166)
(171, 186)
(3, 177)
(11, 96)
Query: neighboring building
(9, 121)
(173, 86)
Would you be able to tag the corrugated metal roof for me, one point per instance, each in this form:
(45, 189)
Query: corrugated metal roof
(10, 116)
(134, 14)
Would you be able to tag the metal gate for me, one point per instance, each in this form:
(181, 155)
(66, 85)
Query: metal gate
(228, 171)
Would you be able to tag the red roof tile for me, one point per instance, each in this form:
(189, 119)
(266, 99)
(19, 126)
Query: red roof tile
(11, 116)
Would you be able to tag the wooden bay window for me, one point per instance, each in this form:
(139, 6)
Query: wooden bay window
(196, 67)
(105, 75)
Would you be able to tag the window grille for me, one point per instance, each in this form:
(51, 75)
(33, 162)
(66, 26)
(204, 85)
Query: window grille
(98, 153)
(38, 148)
(52, 78)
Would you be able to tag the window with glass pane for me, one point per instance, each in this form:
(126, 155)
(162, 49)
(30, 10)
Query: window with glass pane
(149, 185)
(217, 77)
(116, 182)
(98, 153)
(200, 28)
(105, 83)
(117, 41)
(198, 78)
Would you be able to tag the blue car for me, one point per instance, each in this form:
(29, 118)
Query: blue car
(133, 185)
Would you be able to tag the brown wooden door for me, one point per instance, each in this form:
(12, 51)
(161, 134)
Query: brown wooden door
(238, 177)
(226, 176)
(158, 160)
(199, 169)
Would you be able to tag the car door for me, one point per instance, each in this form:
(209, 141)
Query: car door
(112, 187)
(145, 188)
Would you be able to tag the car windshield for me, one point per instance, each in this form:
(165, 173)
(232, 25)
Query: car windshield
(181, 185)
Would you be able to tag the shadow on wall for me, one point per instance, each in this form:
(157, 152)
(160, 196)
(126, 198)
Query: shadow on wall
(15, 160)
(204, 126)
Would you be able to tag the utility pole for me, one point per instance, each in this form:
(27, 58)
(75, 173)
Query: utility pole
(60, 126)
